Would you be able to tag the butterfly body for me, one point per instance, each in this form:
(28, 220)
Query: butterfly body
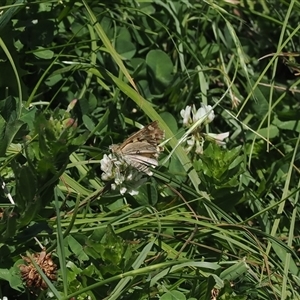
(141, 149)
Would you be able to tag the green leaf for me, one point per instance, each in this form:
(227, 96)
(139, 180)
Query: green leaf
(76, 248)
(88, 122)
(173, 295)
(113, 248)
(9, 122)
(13, 278)
(160, 70)
(124, 46)
(147, 193)
(44, 53)
(235, 271)
(27, 183)
(9, 13)
(7, 133)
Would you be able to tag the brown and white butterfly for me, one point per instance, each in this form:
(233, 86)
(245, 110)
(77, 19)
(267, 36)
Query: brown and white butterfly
(141, 149)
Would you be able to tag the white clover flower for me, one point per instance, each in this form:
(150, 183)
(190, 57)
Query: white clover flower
(186, 115)
(218, 138)
(107, 165)
(125, 178)
(199, 146)
(204, 115)
(123, 190)
(192, 142)
(206, 112)
(191, 115)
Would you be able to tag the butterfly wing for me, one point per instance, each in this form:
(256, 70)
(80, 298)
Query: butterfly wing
(150, 133)
(141, 149)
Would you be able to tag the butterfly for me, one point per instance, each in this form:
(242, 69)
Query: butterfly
(141, 149)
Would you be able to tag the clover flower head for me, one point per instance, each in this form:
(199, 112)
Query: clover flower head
(126, 179)
(191, 115)
(203, 116)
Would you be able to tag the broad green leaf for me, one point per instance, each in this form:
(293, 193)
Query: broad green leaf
(160, 70)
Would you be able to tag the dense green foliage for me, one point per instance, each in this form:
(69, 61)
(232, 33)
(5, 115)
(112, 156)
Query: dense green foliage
(220, 221)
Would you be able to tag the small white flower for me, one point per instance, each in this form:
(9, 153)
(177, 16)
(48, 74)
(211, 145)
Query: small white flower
(107, 167)
(199, 146)
(205, 112)
(119, 178)
(123, 190)
(125, 178)
(218, 138)
(190, 143)
(210, 114)
(198, 114)
(190, 115)
(133, 192)
(204, 115)
(186, 115)
(113, 186)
